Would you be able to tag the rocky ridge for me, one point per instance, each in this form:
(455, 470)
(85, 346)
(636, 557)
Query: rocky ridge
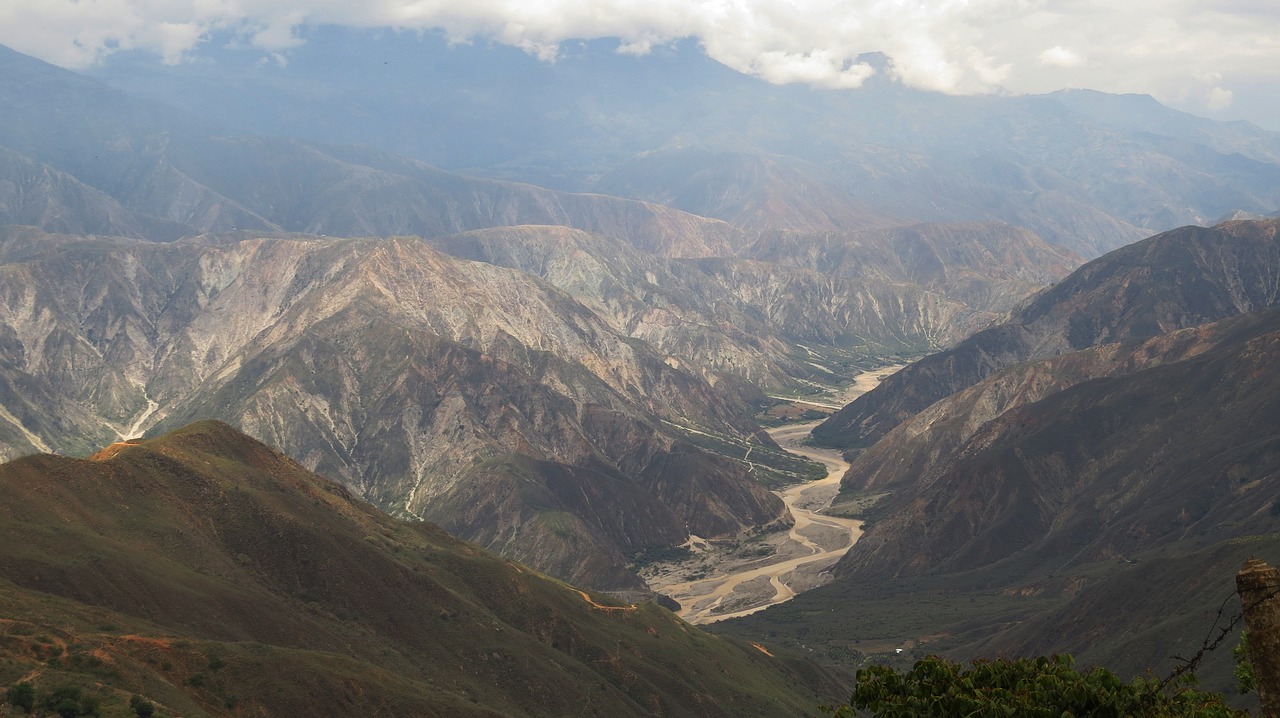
(1178, 279)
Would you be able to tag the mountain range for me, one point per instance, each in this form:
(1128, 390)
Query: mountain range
(1082, 169)
(604, 355)
(385, 364)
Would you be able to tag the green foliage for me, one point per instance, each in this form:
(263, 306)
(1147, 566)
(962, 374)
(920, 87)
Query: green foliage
(1245, 681)
(70, 702)
(1026, 687)
(660, 554)
(141, 706)
(21, 695)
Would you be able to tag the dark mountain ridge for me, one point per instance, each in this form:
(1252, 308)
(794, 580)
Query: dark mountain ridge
(1104, 467)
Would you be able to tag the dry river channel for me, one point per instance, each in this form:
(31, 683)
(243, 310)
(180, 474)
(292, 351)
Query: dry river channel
(722, 580)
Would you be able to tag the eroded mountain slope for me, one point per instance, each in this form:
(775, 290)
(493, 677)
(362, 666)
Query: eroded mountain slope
(1182, 278)
(386, 364)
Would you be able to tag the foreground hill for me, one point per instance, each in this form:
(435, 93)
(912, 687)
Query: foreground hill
(1181, 278)
(213, 576)
(416, 378)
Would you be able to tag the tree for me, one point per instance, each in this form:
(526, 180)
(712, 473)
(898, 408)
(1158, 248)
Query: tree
(1031, 687)
(21, 695)
(64, 700)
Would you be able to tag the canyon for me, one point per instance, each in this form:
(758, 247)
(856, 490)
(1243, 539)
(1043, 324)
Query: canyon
(448, 411)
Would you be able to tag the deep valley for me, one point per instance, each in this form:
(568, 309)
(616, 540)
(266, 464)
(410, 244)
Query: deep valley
(470, 383)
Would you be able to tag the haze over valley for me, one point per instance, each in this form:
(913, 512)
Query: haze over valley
(438, 373)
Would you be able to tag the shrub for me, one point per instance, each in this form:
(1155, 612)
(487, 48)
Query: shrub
(64, 701)
(141, 706)
(1031, 687)
(21, 695)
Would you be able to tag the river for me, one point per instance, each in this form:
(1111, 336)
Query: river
(741, 586)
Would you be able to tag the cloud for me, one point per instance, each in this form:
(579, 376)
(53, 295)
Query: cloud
(1059, 56)
(1160, 47)
(1219, 99)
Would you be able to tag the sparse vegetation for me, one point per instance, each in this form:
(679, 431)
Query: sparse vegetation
(660, 554)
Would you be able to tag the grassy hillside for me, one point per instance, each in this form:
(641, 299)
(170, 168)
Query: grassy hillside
(214, 576)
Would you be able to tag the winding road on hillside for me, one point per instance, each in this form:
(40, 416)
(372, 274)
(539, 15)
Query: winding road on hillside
(814, 543)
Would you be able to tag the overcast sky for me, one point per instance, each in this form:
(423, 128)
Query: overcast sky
(1220, 59)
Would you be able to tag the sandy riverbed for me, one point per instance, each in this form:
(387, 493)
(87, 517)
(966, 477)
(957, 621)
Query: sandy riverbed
(739, 578)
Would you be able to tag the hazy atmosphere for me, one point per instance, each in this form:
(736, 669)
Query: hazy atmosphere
(1219, 59)
(712, 359)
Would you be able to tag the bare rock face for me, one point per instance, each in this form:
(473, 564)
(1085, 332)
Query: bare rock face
(742, 318)
(932, 282)
(391, 367)
(1178, 279)
(667, 304)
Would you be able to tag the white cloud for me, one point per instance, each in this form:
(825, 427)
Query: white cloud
(1059, 56)
(1168, 48)
(1219, 99)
